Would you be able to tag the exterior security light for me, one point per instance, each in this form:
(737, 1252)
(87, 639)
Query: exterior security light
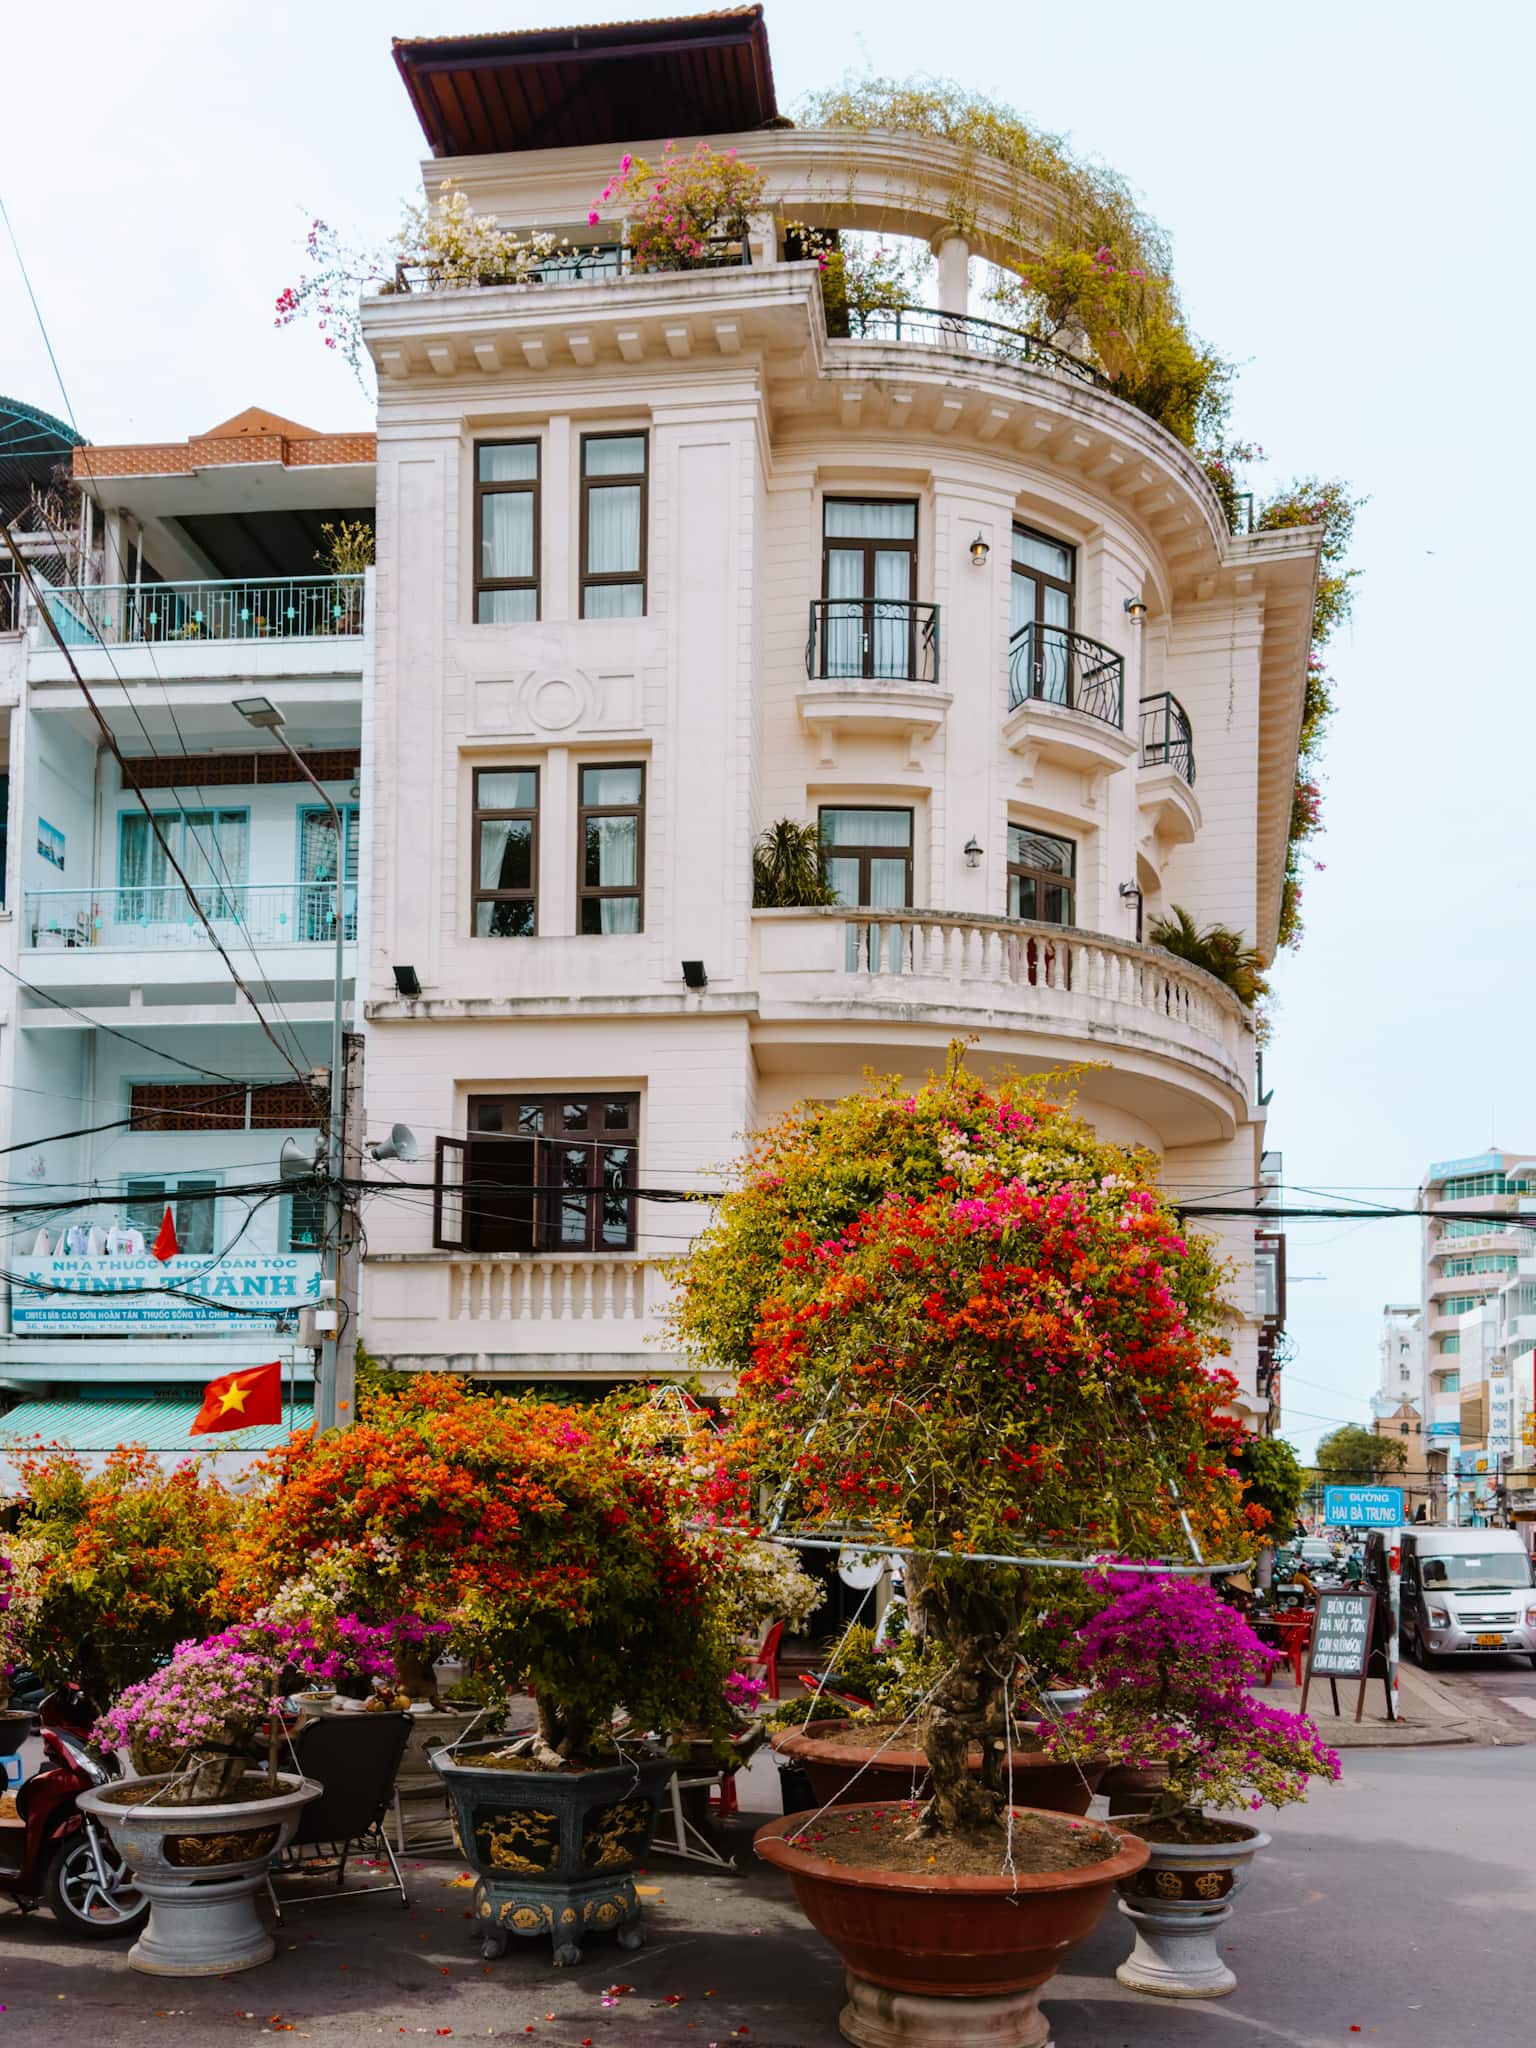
(259, 711)
(407, 981)
(979, 551)
(972, 853)
(1136, 608)
(694, 975)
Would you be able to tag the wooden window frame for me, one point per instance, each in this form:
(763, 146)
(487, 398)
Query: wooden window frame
(479, 816)
(607, 579)
(848, 543)
(529, 488)
(865, 854)
(455, 1225)
(1043, 579)
(1045, 878)
(593, 892)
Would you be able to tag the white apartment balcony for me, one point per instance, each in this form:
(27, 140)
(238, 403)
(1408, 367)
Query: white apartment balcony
(513, 1313)
(845, 982)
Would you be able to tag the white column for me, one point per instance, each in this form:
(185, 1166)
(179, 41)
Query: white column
(954, 254)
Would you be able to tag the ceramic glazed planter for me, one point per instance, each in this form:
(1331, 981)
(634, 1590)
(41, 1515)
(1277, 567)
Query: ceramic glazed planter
(553, 1852)
(200, 1867)
(839, 1778)
(947, 1962)
(1179, 1904)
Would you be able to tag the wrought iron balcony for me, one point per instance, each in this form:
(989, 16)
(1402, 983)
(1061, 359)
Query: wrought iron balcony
(1049, 665)
(274, 608)
(158, 917)
(872, 639)
(586, 263)
(1166, 736)
(969, 334)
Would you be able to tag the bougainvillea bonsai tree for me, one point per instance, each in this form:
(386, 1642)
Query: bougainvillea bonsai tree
(1172, 1668)
(130, 1563)
(555, 1560)
(967, 1329)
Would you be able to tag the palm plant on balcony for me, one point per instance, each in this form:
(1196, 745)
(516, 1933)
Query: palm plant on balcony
(1218, 948)
(789, 868)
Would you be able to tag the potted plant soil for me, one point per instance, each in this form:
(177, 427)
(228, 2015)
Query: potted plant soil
(559, 1567)
(1173, 1670)
(200, 1834)
(969, 1332)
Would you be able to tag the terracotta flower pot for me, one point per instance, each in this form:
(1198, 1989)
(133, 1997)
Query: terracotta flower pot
(947, 1960)
(839, 1776)
(1133, 1789)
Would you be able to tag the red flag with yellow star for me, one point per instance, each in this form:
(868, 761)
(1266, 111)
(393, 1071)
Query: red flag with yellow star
(238, 1399)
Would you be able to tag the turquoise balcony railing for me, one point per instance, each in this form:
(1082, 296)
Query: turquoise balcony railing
(160, 918)
(277, 608)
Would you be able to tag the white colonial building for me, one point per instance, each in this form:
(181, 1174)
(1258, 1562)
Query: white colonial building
(661, 563)
(136, 1076)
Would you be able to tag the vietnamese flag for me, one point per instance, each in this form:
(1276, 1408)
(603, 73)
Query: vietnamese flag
(165, 1245)
(238, 1399)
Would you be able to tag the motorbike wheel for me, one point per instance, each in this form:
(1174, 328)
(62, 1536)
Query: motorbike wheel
(73, 1891)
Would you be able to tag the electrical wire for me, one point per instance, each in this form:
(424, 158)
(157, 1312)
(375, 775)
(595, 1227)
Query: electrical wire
(111, 1030)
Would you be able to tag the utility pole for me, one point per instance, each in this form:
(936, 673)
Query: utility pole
(351, 1232)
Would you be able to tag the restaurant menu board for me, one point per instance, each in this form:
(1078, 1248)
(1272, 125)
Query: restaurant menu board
(1341, 1638)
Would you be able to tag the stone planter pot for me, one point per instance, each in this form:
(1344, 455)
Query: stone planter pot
(1133, 1790)
(200, 1867)
(1179, 1904)
(838, 1776)
(553, 1851)
(951, 1962)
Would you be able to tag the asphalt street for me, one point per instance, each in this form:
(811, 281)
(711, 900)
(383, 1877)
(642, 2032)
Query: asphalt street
(1396, 1908)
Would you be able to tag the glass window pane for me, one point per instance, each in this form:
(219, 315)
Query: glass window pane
(1041, 850)
(1047, 555)
(843, 876)
(194, 1219)
(506, 534)
(613, 530)
(870, 519)
(506, 789)
(504, 920)
(616, 1174)
(506, 607)
(506, 853)
(614, 455)
(509, 462)
(1022, 602)
(610, 785)
(606, 914)
(887, 884)
(1058, 607)
(487, 1117)
(613, 601)
(611, 848)
(530, 1119)
(866, 828)
(616, 1116)
(1058, 904)
(1021, 896)
(573, 1116)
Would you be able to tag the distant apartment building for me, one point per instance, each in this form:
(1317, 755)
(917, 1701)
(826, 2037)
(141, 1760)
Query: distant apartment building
(1401, 1349)
(137, 1078)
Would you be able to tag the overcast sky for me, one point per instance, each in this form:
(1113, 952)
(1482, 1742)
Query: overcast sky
(1348, 192)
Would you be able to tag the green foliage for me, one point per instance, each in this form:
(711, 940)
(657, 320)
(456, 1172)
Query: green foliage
(859, 275)
(1219, 949)
(1352, 1454)
(1273, 1479)
(1325, 503)
(348, 549)
(789, 868)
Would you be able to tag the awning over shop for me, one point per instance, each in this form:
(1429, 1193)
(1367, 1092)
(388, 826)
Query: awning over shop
(94, 1428)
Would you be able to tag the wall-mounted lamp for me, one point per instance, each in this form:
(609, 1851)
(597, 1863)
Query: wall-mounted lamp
(1136, 608)
(694, 975)
(1127, 891)
(972, 854)
(979, 552)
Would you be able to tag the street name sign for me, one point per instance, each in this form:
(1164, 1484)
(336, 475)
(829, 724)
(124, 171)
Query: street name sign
(1362, 1507)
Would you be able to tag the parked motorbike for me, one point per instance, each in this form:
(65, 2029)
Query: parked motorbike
(54, 1855)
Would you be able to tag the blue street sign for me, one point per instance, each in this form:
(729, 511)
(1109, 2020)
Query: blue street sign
(1362, 1507)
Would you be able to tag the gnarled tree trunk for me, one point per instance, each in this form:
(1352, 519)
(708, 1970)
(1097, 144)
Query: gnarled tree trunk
(975, 1623)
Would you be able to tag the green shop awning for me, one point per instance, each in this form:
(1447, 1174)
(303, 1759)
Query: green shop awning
(162, 1426)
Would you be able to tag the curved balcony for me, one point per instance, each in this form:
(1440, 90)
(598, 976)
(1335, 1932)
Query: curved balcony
(1165, 788)
(966, 334)
(1180, 1045)
(1167, 739)
(1066, 703)
(872, 666)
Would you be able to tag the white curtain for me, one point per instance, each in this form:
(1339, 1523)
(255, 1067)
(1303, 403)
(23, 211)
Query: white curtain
(506, 534)
(613, 530)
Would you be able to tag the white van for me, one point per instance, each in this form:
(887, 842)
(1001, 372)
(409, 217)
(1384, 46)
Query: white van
(1466, 1592)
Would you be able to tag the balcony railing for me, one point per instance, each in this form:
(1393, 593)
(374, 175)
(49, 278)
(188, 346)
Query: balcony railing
(1167, 739)
(160, 918)
(278, 608)
(591, 263)
(872, 639)
(971, 335)
(1052, 666)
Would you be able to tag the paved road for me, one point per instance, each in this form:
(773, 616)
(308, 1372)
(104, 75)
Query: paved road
(1505, 1686)
(1399, 1902)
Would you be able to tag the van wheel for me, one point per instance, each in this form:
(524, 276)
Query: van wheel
(1425, 1659)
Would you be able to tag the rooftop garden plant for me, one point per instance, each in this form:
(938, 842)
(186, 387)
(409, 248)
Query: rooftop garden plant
(673, 215)
(966, 1328)
(1172, 1669)
(1220, 949)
